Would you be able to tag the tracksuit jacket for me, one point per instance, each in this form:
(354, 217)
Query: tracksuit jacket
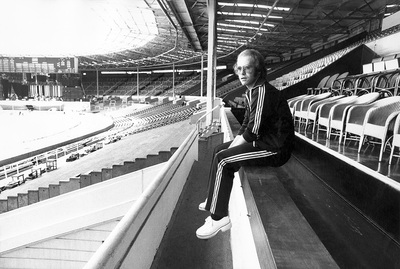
(268, 122)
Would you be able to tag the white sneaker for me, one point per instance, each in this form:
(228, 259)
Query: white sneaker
(202, 206)
(212, 227)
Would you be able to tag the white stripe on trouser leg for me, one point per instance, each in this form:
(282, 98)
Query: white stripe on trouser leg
(231, 159)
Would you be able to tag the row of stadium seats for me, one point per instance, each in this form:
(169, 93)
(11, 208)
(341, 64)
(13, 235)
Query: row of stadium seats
(312, 68)
(363, 118)
(153, 84)
(385, 82)
(309, 70)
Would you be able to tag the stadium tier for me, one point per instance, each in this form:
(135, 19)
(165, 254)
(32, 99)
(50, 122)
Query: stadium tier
(105, 156)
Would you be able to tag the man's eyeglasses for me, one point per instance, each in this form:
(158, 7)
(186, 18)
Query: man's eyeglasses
(246, 69)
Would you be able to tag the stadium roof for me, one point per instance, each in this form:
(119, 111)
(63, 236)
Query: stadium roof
(125, 34)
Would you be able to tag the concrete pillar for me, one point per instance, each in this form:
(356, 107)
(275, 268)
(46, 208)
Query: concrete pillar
(164, 155)
(130, 166)
(118, 170)
(33, 196)
(173, 150)
(207, 145)
(71, 185)
(152, 159)
(44, 193)
(106, 174)
(22, 199)
(54, 190)
(85, 181)
(12, 203)
(95, 177)
(140, 163)
(3, 205)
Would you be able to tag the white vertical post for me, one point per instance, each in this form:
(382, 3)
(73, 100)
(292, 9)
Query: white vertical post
(173, 81)
(212, 59)
(202, 75)
(137, 82)
(97, 82)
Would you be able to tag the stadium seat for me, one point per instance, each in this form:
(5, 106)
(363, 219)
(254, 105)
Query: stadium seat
(338, 113)
(338, 83)
(387, 83)
(301, 109)
(365, 84)
(328, 85)
(348, 85)
(325, 112)
(396, 139)
(293, 101)
(320, 85)
(313, 111)
(371, 120)
(377, 122)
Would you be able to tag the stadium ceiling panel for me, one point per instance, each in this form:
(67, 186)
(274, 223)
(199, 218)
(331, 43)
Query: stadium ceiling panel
(275, 27)
(127, 34)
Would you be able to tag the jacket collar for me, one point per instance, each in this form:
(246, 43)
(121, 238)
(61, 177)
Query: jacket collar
(260, 81)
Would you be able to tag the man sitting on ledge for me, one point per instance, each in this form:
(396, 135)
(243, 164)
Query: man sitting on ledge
(264, 139)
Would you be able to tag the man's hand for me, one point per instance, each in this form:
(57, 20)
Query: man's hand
(239, 140)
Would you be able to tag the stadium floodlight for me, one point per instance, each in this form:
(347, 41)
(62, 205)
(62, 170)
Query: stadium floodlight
(74, 27)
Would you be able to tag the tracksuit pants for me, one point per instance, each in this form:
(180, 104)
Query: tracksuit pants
(227, 161)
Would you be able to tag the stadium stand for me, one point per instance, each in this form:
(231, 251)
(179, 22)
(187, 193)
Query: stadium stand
(355, 94)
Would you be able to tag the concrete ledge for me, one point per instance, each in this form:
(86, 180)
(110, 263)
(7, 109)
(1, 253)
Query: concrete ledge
(284, 238)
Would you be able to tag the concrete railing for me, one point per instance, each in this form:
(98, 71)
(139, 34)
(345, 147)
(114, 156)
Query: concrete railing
(84, 180)
(146, 221)
(73, 211)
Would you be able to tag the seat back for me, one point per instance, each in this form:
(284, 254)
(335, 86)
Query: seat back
(383, 110)
(323, 81)
(325, 110)
(337, 114)
(337, 83)
(331, 80)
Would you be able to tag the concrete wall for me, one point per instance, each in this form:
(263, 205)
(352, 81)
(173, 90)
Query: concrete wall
(145, 223)
(85, 180)
(71, 212)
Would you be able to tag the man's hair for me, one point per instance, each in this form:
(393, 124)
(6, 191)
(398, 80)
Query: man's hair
(258, 61)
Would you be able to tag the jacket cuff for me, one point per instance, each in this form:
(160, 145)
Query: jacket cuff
(248, 137)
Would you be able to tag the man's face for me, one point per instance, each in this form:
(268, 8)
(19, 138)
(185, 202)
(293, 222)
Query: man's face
(246, 71)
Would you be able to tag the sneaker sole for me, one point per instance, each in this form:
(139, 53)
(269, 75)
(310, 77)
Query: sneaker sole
(222, 229)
